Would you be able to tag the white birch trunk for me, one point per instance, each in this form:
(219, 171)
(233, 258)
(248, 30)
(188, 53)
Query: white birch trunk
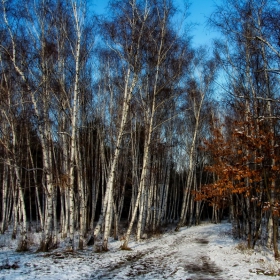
(77, 15)
(82, 200)
(143, 180)
(109, 188)
(23, 245)
(15, 206)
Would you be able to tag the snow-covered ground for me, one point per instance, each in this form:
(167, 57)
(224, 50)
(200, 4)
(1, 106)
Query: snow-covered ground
(202, 252)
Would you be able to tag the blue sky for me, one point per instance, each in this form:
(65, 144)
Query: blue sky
(200, 10)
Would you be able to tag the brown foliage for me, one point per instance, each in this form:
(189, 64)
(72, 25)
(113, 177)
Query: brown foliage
(241, 163)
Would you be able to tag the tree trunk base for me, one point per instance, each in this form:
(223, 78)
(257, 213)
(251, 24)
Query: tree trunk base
(23, 246)
(81, 244)
(45, 246)
(125, 247)
(105, 246)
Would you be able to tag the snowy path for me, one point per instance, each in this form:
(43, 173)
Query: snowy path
(166, 260)
(203, 252)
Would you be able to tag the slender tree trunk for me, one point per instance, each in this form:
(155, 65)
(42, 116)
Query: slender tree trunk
(4, 198)
(108, 202)
(23, 245)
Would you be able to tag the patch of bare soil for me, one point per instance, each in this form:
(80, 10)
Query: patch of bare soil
(202, 267)
(201, 241)
(9, 266)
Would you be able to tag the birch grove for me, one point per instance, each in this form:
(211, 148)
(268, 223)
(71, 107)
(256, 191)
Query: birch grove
(115, 126)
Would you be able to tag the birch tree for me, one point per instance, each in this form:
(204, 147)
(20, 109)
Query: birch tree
(162, 51)
(124, 34)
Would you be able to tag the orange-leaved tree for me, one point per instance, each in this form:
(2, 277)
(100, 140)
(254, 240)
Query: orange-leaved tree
(244, 162)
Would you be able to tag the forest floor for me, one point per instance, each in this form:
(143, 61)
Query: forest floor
(207, 251)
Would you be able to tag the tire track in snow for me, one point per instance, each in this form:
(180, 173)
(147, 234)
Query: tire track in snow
(185, 256)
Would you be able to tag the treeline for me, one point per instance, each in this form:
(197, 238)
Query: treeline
(114, 118)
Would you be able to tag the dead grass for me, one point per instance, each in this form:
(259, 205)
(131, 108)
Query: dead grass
(243, 247)
(125, 248)
(266, 272)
